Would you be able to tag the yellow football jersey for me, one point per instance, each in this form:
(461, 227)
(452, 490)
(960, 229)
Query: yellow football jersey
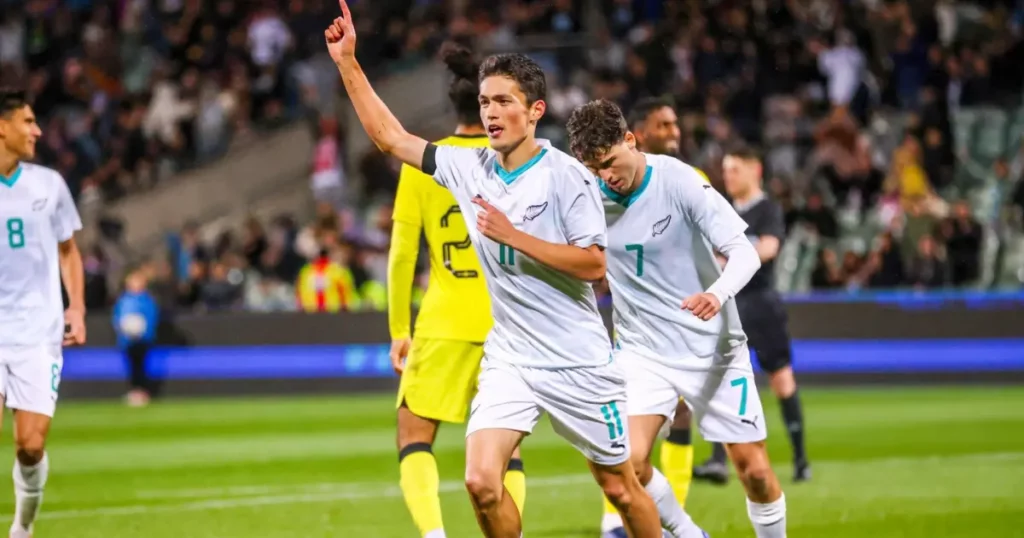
(456, 305)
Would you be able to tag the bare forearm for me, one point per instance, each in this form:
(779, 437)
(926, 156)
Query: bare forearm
(73, 276)
(380, 124)
(587, 264)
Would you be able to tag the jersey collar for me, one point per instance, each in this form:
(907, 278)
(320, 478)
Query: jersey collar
(10, 181)
(627, 200)
(509, 176)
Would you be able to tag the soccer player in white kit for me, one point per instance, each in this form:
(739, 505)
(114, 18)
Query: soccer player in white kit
(665, 225)
(540, 235)
(37, 249)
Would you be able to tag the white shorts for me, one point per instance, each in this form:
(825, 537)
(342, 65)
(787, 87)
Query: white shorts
(587, 405)
(722, 396)
(30, 377)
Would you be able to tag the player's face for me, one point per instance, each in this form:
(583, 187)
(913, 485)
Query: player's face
(617, 167)
(505, 113)
(19, 132)
(740, 175)
(659, 134)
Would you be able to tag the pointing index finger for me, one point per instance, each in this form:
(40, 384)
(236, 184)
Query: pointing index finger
(345, 12)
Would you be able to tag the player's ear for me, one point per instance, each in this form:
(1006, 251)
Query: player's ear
(537, 110)
(630, 140)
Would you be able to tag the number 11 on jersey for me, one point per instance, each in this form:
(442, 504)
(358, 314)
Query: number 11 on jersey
(506, 255)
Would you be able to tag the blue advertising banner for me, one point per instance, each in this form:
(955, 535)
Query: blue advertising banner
(371, 361)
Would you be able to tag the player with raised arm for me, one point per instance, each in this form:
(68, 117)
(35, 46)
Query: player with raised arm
(761, 308)
(665, 224)
(38, 220)
(439, 367)
(655, 125)
(536, 221)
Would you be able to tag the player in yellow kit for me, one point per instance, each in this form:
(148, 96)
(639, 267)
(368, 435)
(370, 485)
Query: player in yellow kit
(439, 367)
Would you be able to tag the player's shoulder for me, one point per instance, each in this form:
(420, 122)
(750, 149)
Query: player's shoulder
(561, 163)
(676, 173)
(39, 174)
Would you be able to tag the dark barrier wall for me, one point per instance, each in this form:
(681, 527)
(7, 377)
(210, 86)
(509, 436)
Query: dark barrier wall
(893, 337)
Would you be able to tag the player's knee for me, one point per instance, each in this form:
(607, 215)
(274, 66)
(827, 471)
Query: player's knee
(756, 474)
(30, 447)
(618, 493)
(485, 488)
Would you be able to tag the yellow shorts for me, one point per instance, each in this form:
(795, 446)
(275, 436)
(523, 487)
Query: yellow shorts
(440, 378)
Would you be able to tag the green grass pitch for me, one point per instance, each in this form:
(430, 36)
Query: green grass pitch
(888, 462)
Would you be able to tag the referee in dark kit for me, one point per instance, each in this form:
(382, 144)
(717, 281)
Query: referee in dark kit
(761, 310)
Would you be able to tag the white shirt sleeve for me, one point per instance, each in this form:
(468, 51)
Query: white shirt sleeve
(65, 219)
(581, 209)
(707, 209)
(454, 166)
(741, 263)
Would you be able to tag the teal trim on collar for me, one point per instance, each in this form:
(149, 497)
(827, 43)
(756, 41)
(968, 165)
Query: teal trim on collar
(627, 200)
(10, 181)
(509, 177)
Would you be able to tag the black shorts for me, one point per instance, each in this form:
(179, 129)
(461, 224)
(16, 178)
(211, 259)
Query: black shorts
(765, 321)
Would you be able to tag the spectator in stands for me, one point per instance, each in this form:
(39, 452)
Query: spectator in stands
(928, 268)
(963, 238)
(819, 218)
(324, 284)
(827, 272)
(886, 262)
(136, 317)
(221, 291)
(327, 179)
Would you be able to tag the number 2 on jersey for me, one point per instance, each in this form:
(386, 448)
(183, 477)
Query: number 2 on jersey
(15, 233)
(448, 246)
(639, 257)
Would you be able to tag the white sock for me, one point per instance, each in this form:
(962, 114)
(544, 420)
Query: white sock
(673, 518)
(610, 522)
(28, 492)
(436, 533)
(769, 519)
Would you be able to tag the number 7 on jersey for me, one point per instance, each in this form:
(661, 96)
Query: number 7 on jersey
(639, 249)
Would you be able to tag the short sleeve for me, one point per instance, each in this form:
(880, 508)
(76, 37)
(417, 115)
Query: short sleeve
(707, 209)
(454, 166)
(774, 223)
(65, 219)
(582, 210)
(407, 200)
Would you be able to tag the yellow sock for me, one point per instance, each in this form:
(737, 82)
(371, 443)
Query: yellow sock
(515, 483)
(420, 483)
(677, 466)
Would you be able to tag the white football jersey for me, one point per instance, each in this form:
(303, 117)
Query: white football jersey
(660, 251)
(36, 214)
(543, 318)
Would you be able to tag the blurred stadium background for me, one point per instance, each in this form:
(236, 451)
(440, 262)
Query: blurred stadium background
(209, 147)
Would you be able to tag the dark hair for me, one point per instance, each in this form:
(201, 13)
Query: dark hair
(12, 98)
(743, 152)
(645, 107)
(520, 68)
(594, 128)
(464, 90)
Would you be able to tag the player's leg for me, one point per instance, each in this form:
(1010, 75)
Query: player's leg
(588, 408)
(643, 432)
(766, 504)
(503, 412)
(774, 354)
(418, 476)
(31, 391)
(515, 481)
(437, 384)
(677, 454)
(727, 409)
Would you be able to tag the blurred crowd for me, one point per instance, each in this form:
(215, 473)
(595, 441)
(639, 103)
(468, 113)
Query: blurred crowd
(893, 130)
(130, 92)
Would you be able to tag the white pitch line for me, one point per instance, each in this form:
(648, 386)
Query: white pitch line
(272, 500)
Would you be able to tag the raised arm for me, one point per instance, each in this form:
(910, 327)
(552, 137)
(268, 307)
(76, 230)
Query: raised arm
(379, 123)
